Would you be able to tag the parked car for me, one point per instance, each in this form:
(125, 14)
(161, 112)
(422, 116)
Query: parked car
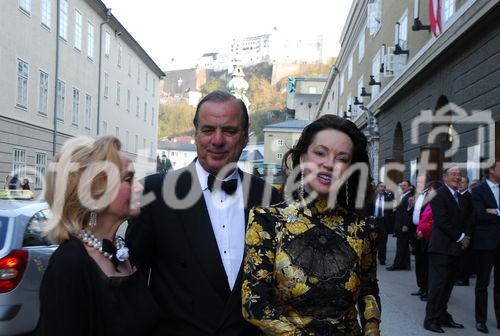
(24, 255)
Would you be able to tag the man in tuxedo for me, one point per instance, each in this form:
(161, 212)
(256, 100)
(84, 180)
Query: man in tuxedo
(190, 239)
(466, 266)
(448, 238)
(486, 244)
(403, 229)
(383, 213)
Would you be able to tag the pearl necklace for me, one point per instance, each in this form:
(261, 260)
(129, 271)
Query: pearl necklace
(88, 238)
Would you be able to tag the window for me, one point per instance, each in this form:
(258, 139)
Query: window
(43, 94)
(151, 150)
(90, 40)
(136, 144)
(127, 135)
(447, 9)
(312, 90)
(145, 111)
(361, 47)
(137, 108)
(144, 148)
(78, 30)
(22, 83)
(154, 87)
(25, 5)
(360, 87)
(45, 12)
(129, 65)
(374, 21)
(76, 106)
(118, 93)
(473, 162)
(104, 127)
(88, 110)
(401, 31)
(40, 169)
(279, 156)
(63, 19)
(153, 116)
(106, 85)
(138, 73)
(128, 100)
(147, 80)
(117, 132)
(349, 69)
(119, 55)
(279, 142)
(34, 235)
(376, 74)
(341, 80)
(107, 44)
(19, 163)
(61, 99)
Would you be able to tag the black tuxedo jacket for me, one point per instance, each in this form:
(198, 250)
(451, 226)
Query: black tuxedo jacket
(486, 234)
(402, 215)
(176, 247)
(448, 223)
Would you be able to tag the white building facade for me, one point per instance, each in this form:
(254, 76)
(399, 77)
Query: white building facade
(86, 77)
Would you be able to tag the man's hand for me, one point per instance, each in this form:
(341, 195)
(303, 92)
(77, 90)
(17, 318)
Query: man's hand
(420, 235)
(411, 202)
(492, 211)
(465, 242)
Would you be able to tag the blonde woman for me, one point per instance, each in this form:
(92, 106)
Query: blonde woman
(89, 287)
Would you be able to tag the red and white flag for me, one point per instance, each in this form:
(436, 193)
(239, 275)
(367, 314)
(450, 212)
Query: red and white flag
(435, 16)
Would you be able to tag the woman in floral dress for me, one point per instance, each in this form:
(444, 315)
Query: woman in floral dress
(310, 266)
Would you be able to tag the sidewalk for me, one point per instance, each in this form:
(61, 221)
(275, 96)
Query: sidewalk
(403, 314)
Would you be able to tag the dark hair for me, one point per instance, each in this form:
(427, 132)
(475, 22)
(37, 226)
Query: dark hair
(436, 184)
(359, 154)
(487, 169)
(221, 96)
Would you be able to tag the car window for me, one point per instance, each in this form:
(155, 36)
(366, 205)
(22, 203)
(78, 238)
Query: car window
(34, 235)
(4, 221)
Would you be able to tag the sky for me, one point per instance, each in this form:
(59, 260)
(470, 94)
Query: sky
(177, 32)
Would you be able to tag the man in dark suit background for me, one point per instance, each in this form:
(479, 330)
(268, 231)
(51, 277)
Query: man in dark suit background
(466, 267)
(190, 239)
(382, 210)
(486, 244)
(448, 238)
(403, 228)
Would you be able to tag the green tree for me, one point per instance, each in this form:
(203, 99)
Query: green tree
(263, 96)
(262, 118)
(212, 85)
(175, 119)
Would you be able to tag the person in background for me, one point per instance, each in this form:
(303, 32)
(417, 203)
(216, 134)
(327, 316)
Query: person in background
(419, 246)
(6, 184)
(25, 185)
(382, 210)
(403, 228)
(89, 286)
(486, 244)
(310, 262)
(449, 236)
(466, 267)
(14, 182)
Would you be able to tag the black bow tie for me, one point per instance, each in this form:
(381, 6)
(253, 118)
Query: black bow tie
(229, 186)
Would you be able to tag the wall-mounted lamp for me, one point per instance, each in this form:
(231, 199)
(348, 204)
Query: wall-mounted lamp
(364, 93)
(118, 33)
(357, 102)
(417, 24)
(400, 51)
(373, 81)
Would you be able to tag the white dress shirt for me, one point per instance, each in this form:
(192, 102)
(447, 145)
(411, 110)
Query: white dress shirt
(227, 215)
(418, 207)
(494, 190)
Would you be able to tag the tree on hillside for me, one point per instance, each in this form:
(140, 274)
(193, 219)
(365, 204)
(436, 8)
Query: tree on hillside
(212, 85)
(263, 96)
(175, 119)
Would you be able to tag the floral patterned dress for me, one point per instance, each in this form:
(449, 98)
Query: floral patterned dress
(306, 269)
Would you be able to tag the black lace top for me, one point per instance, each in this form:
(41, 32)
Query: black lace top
(307, 268)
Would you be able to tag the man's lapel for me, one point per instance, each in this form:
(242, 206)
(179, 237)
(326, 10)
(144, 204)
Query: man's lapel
(196, 222)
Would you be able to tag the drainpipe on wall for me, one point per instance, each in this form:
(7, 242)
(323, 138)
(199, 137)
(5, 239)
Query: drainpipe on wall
(108, 17)
(54, 137)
